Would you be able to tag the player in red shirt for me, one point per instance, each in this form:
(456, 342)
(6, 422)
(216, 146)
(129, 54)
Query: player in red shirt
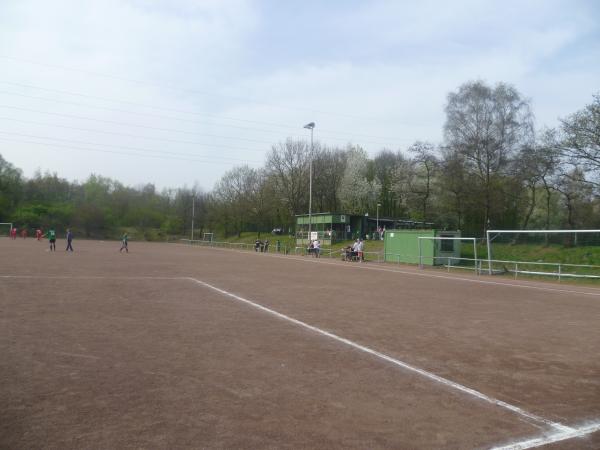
(38, 234)
(24, 233)
(13, 233)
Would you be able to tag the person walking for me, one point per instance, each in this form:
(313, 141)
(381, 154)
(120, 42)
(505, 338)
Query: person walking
(124, 240)
(69, 240)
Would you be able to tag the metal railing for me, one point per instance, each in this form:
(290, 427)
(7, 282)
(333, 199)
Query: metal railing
(478, 265)
(516, 268)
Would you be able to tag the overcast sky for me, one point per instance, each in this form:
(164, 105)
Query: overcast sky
(177, 92)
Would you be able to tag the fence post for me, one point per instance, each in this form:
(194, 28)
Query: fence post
(559, 273)
(516, 270)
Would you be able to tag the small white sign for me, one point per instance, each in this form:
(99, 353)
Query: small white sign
(391, 234)
(314, 235)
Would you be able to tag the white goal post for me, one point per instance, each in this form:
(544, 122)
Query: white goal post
(490, 238)
(447, 238)
(10, 227)
(208, 237)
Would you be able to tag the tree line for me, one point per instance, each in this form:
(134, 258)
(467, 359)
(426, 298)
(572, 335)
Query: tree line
(492, 169)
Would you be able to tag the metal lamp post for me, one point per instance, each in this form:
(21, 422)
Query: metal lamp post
(310, 126)
(378, 233)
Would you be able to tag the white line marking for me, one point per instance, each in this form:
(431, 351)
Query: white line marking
(424, 373)
(551, 438)
(89, 277)
(76, 355)
(405, 272)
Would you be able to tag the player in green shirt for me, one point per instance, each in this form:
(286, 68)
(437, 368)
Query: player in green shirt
(124, 240)
(52, 239)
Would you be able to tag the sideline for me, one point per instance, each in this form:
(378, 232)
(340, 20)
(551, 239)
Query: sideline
(89, 277)
(561, 432)
(552, 438)
(414, 273)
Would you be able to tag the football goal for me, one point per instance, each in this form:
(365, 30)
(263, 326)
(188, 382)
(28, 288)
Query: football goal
(5, 228)
(558, 253)
(208, 237)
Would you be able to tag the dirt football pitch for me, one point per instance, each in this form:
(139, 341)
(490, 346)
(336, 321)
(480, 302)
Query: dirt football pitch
(172, 346)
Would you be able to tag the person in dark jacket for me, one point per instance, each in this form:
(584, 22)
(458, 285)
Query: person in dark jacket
(69, 240)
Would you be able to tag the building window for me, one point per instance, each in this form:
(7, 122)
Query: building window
(447, 244)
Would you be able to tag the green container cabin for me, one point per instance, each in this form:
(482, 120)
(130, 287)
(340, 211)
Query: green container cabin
(403, 246)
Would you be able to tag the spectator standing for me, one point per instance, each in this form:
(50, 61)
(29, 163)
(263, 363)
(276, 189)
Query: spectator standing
(359, 249)
(69, 240)
(317, 248)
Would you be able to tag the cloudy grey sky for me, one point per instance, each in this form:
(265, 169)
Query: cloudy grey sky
(177, 92)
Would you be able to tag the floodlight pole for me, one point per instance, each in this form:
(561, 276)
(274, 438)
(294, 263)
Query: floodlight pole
(378, 233)
(311, 127)
(193, 214)
(489, 251)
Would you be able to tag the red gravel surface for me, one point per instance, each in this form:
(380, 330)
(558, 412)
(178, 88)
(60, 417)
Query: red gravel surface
(101, 349)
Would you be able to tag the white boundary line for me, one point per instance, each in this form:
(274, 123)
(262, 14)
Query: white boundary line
(417, 274)
(397, 362)
(561, 433)
(89, 277)
(551, 438)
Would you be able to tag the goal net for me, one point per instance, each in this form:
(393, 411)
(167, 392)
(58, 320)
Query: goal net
(5, 228)
(556, 253)
(208, 237)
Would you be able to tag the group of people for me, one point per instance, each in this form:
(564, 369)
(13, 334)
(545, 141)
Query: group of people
(14, 231)
(354, 252)
(260, 246)
(51, 235)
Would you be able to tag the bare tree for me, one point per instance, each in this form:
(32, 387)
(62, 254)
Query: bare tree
(577, 195)
(288, 164)
(581, 140)
(487, 126)
(235, 192)
(328, 170)
(453, 182)
(424, 165)
(386, 164)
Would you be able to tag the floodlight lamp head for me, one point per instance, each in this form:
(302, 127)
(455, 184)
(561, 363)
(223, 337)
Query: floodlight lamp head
(309, 126)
